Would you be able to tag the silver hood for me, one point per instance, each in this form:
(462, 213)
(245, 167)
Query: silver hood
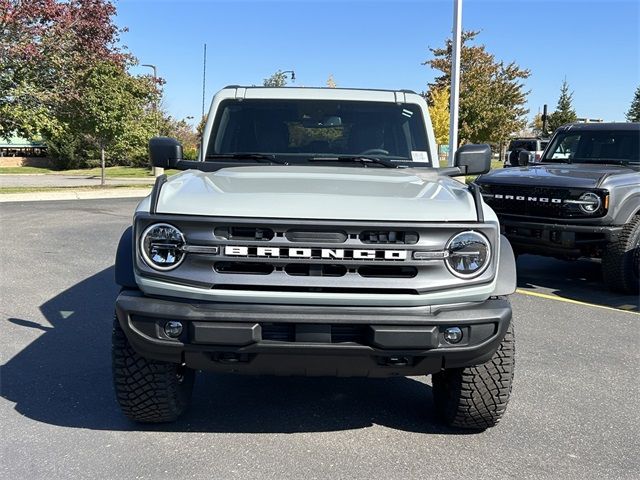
(312, 192)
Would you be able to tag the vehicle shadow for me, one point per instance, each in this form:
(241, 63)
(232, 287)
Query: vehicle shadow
(579, 280)
(64, 378)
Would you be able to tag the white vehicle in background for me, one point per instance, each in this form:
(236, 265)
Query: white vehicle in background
(536, 145)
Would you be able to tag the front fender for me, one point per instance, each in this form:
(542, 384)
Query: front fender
(507, 279)
(124, 261)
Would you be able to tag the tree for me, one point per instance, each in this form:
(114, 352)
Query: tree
(278, 79)
(331, 83)
(439, 113)
(183, 132)
(633, 115)
(564, 112)
(536, 125)
(56, 58)
(201, 125)
(46, 44)
(115, 112)
(492, 95)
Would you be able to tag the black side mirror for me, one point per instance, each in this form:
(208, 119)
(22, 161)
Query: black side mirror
(524, 158)
(165, 152)
(473, 159)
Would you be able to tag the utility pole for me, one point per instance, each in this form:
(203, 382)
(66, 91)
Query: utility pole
(456, 44)
(157, 171)
(102, 165)
(545, 119)
(204, 77)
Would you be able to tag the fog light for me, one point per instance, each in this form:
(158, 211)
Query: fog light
(453, 335)
(173, 329)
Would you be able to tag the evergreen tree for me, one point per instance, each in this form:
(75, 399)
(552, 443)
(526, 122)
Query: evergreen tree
(564, 112)
(633, 115)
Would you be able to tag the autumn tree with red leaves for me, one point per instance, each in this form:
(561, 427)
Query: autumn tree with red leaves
(48, 51)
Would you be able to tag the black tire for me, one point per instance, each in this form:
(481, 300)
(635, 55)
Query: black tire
(621, 260)
(475, 398)
(148, 391)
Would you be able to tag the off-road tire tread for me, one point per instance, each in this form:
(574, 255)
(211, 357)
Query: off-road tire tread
(615, 269)
(147, 391)
(475, 398)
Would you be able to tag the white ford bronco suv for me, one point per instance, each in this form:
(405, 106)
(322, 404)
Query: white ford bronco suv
(315, 235)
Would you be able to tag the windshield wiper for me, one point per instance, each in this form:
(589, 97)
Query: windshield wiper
(266, 157)
(364, 160)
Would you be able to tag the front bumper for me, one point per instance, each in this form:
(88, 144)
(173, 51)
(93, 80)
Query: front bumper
(313, 340)
(556, 238)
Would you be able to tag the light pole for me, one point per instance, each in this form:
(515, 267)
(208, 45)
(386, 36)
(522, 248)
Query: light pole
(455, 79)
(157, 171)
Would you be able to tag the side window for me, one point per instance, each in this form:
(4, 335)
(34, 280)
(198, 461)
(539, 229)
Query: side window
(566, 148)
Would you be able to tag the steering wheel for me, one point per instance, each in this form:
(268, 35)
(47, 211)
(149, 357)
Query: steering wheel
(375, 151)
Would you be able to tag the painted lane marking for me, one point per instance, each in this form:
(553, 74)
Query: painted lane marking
(575, 302)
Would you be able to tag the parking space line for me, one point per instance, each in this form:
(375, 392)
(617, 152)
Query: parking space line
(569, 300)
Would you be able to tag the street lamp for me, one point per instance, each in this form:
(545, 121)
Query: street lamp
(293, 74)
(157, 171)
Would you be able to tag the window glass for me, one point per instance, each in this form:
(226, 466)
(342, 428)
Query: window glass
(596, 146)
(529, 145)
(305, 128)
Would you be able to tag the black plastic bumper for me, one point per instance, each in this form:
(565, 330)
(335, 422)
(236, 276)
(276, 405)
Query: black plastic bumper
(312, 340)
(556, 238)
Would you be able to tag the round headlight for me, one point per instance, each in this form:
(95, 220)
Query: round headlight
(468, 254)
(161, 246)
(592, 202)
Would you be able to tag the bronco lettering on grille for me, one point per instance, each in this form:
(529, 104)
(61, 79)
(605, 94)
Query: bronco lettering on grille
(334, 253)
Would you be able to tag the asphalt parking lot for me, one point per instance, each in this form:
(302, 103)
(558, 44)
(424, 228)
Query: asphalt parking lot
(574, 413)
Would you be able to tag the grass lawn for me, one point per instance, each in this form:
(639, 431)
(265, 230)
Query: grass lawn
(25, 170)
(133, 172)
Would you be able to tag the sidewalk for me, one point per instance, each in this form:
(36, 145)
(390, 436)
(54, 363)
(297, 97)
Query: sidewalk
(71, 193)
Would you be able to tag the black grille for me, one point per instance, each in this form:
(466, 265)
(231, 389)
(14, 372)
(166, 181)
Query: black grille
(286, 332)
(314, 270)
(247, 268)
(533, 201)
(383, 271)
(316, 236)
(389, 237)
(244, 233)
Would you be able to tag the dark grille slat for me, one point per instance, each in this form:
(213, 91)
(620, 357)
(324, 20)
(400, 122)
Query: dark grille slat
(310, 236)
(383, 237)
(526, 201)
(286, 332)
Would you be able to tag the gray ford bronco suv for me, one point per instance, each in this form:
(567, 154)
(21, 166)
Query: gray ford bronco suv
(581, 200)
(315, 235)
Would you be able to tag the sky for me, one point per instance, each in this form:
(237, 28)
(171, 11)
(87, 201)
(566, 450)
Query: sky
(595, 45)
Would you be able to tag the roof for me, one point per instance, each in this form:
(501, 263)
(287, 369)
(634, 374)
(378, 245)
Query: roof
(625, 126)
(322, 88)
(317, 93)
(18, 142)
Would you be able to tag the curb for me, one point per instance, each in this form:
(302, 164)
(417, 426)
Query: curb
(74, 195)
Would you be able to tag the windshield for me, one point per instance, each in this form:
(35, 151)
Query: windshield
(304, 129)
(529, 145)
(609, 146)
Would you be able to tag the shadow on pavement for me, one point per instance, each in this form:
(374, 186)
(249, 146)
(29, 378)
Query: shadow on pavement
(579, 280)
(64, 378)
